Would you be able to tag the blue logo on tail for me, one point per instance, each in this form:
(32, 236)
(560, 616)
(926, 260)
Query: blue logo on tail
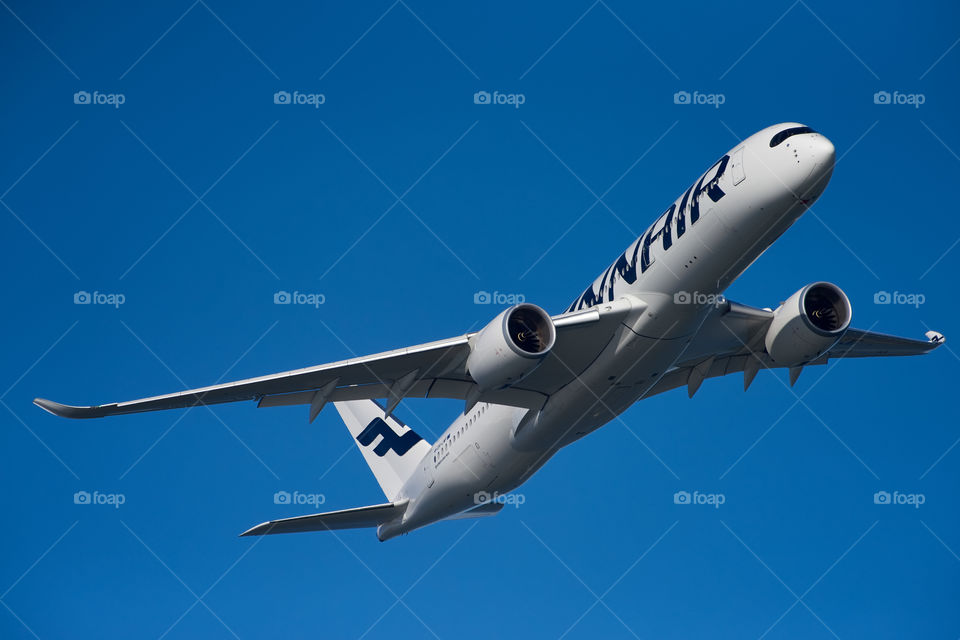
(399, 444)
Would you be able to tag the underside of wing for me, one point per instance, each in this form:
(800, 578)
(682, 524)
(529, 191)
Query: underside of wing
(432, 370)
(732, 340)
(431, 360)
(865, 344)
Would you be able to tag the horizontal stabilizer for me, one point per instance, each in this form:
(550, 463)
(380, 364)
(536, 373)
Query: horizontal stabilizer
(480, 511)
(357, 518)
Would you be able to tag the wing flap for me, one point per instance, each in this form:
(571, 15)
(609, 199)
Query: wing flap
(435, 388)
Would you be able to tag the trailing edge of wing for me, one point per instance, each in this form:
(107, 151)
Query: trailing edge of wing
(357, 518)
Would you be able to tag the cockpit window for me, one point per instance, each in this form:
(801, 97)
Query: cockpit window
(786, 133)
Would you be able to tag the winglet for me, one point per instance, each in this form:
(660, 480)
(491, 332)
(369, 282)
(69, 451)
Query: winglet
(68, 411)
(259, 530)
(935, 337)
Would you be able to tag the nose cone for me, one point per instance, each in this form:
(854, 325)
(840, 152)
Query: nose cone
(822, 156)
(803, 159)
(823, 149)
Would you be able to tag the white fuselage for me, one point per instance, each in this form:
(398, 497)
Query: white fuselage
(670, 276)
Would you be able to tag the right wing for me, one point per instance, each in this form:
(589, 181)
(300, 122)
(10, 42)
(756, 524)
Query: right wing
(344, 380)
(431, 370)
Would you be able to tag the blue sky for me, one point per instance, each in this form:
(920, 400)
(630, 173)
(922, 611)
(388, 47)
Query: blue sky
(398, 198)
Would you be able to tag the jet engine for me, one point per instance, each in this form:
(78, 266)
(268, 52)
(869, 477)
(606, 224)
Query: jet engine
(510, 347)
(808, 324)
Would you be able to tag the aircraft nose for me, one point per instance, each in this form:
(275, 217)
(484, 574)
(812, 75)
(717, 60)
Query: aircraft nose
(805, 159)
(822, 151)
(821, 156)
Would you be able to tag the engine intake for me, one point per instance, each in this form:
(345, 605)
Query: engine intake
(511, 346)
(808, 324)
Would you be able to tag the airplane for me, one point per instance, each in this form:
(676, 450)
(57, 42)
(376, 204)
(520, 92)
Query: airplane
(654, 320)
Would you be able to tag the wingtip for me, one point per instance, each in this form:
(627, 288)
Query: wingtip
(70, 411)
(258, 530)
(51, 407)
(935, 337)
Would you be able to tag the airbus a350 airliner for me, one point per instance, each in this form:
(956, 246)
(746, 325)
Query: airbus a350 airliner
(532, 383)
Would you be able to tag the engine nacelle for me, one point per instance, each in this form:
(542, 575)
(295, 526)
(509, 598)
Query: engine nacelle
(810, 322)
(510, 347)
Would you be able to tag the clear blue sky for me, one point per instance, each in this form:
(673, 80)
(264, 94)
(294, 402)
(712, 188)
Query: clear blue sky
(298, 197)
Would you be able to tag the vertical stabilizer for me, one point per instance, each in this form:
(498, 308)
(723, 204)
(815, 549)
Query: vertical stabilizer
(392, 450)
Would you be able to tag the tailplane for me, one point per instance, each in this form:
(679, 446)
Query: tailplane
(357, 518)
(392, 450)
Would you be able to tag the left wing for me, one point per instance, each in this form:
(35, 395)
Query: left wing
(731, 341)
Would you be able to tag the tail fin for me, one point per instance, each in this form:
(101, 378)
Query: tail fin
(392, 450)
